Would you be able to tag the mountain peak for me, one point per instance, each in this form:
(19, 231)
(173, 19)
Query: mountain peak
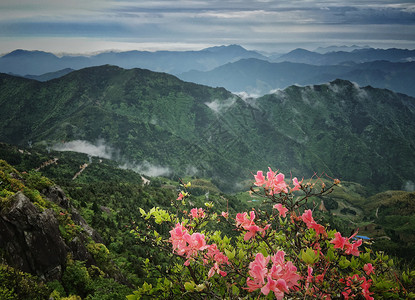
(221, 48)
(26, 53)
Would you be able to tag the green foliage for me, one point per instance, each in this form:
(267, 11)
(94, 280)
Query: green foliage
(108, 289)
(17, 285)
(205, 263)
(98, 251)
(212, 132)
(76, 278)
(35, 180)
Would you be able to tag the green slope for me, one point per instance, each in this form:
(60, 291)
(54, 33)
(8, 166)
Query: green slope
(364, 135)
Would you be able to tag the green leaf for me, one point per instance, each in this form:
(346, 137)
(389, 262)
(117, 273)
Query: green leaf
(309, 256)
(330, 255)
(235, 290)
(189, 286)
(344, 263)
(241, 254)
(230, 254)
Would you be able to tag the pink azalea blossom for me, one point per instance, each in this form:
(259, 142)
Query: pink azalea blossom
(309, 278)
(281, 209)
(369, 269)
(197, 213)
(225, 215)
(297, 184)
(216, 269)
(259, 179)
(279, 278)
(353, 248)
(344, 243)
(307, 218)
(339, 241)
(181, 196)
(242, 220)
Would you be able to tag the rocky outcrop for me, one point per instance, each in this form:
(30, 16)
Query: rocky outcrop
(30, 239)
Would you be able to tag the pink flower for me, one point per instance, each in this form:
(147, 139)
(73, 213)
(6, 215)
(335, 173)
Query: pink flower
(297, 185)
(216, 269)
(279, 287)
(279, 279)
(369, 269)
(352, 248)
(259, 179)
(258, 268)
(177, 238)
(197, 213)
(225, 215)
(196, 242)
(281, 209)
(274, 184)
(339, 241)
(307, 218)
(309, 278)
(252, 230)
(181, 196)
(344, 243)
(242, 220)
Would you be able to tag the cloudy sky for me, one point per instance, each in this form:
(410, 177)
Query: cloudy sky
(82, 26)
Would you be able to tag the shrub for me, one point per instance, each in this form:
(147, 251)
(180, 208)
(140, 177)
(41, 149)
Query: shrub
(277, 250)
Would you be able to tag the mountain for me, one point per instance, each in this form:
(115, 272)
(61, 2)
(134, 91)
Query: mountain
(345, 48)
(259, 77)
(155, 120)
(22, 62)
(50, 75)
(358, 56)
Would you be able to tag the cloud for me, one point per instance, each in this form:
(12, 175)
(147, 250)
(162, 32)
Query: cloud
(99, 148)
(219, 106)
(147, 168)
(263, 25)
(409, 186)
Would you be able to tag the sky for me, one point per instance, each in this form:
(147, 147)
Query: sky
(90, 26)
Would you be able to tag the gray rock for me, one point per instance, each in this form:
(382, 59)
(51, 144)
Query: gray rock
(31, 239)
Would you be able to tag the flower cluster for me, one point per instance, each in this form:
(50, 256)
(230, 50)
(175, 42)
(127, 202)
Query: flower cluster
(356, 283)
(344, 243)
(185, 244)
(294, 257)
(247, 223)
(197, 213)
(218, 257)
(190, 245)
(280, 278)
(307, 218)
(275, 182)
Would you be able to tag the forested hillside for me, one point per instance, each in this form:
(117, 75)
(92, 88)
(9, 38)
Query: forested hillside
(153, 119)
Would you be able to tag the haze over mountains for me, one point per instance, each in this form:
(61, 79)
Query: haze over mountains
(238, 69)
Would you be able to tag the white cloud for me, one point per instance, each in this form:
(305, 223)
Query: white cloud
(160, 25)
(409, 186)
(219, 106)
(99, 148)
(147, 168)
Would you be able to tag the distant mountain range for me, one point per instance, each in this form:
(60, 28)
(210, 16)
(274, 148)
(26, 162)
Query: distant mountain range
(259, 77)
(366, 135)
(21, 62)
(236, 68)
(357, 56)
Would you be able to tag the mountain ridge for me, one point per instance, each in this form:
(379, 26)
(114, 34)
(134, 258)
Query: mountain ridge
(260, 77)
(157, 118)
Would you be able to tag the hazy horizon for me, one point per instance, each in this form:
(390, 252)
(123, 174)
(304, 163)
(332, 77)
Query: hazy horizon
(78, 27)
